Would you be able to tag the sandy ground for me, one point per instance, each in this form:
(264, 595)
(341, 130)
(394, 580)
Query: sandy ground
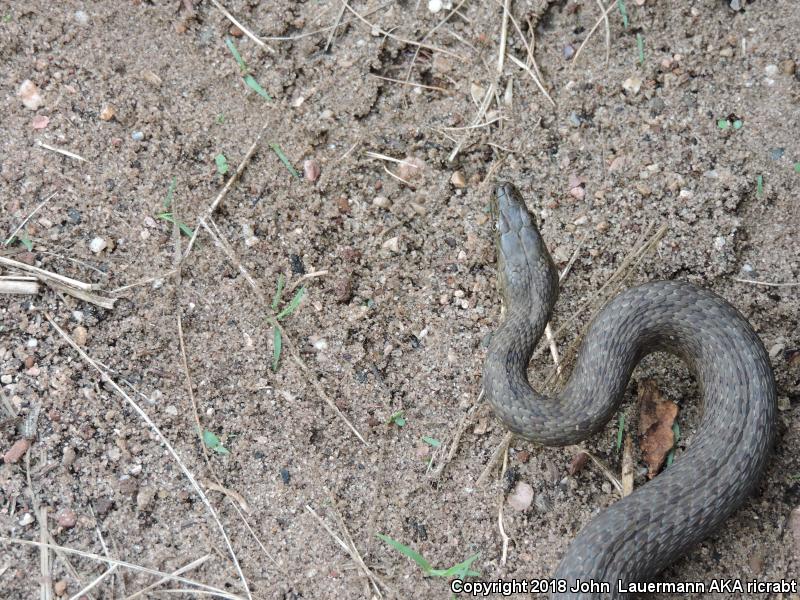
(697, 132)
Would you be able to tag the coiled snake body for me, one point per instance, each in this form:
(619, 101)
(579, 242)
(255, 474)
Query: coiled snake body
(641, 534)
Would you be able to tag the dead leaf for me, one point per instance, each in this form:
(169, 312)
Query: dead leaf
(656, 416)
(578, 462)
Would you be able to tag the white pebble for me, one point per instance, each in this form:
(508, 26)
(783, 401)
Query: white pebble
(771, 70)
(98, 244)
(29, 94)
(522, 496)
(81, 17)
(434, 6)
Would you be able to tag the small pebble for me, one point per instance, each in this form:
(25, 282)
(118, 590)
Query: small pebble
(235, 31)
(98, 244)
(434, 6)
(522, 496)
(81, 18)
(632, 85)
(311, 170)
(107, 113)
(60, 587)
(392, 244)
(67, 518)
(569, 51)
(40, 122)
(26, 519)
(17, 451)
(29, 94)
(788, 67)
(410, 168)
(381, 202)
(771, 70)
(776, 153)
(79, 334)
(285, 476)
(137, 136)
(458, 180)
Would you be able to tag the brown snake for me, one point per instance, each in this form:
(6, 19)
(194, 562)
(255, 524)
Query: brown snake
(638, 536)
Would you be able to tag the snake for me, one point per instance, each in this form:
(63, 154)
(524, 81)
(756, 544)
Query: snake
(629, 543)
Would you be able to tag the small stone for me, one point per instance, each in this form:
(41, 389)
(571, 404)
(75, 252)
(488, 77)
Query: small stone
(771, 70)
(522, 496)
(74, 215)
(40, 122)
(381, 202)
(578, 462)
(569, 51)
(29, 362)
(151, 78)
(29, 94)
(26, 519)
(726, 52)
(311, 170)
(137, 136)
(60, 587)
(434, 6)
(392, 244)
(326, 114)
(103, 506)
(67, 518)
(235, 31)
(343, 204)
(458, 180)
(17, 451)
(632, 84)
(68, 457)
(80, 334)
(107, 113)
(98, 244)
(81, 18)
(578, 192)
(788, 67)
(145, 498)
(602, 227)
(776, 153)
(410, 168)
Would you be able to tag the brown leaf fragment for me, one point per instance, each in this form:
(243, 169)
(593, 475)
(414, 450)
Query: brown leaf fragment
(656, 416)
(627, 467)
(578, 462)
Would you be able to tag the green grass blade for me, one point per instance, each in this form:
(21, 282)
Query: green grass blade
(222, 163)
(250, 81)
(760, 186)
(236, 55)
(278, 291)
(406, 551)
(292, 306)
(277, 149)
(277, 344)
(620, 430)
(213, 442)
(168, 200)
(460, 571)
(185, 229)
(431, 441)
(640, 45)
(624, 12)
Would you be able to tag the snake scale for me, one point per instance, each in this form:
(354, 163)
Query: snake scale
(638, 536)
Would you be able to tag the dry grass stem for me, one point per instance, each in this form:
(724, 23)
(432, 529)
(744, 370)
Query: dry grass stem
(484, 106)
(411, 83)
(495, 458)
(164, 442)
(528, 70)
(766, 283)
(501, 55)
(603, 17)
(243, 29)
(377, 30)
(28, 218)
(93, 584)
(126, 565)
(192, 565)
(66, 153)
(18, 285)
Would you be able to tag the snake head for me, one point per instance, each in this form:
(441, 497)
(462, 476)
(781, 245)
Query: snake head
(526, 273)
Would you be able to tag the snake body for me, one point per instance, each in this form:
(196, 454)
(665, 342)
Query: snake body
(638, 536)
